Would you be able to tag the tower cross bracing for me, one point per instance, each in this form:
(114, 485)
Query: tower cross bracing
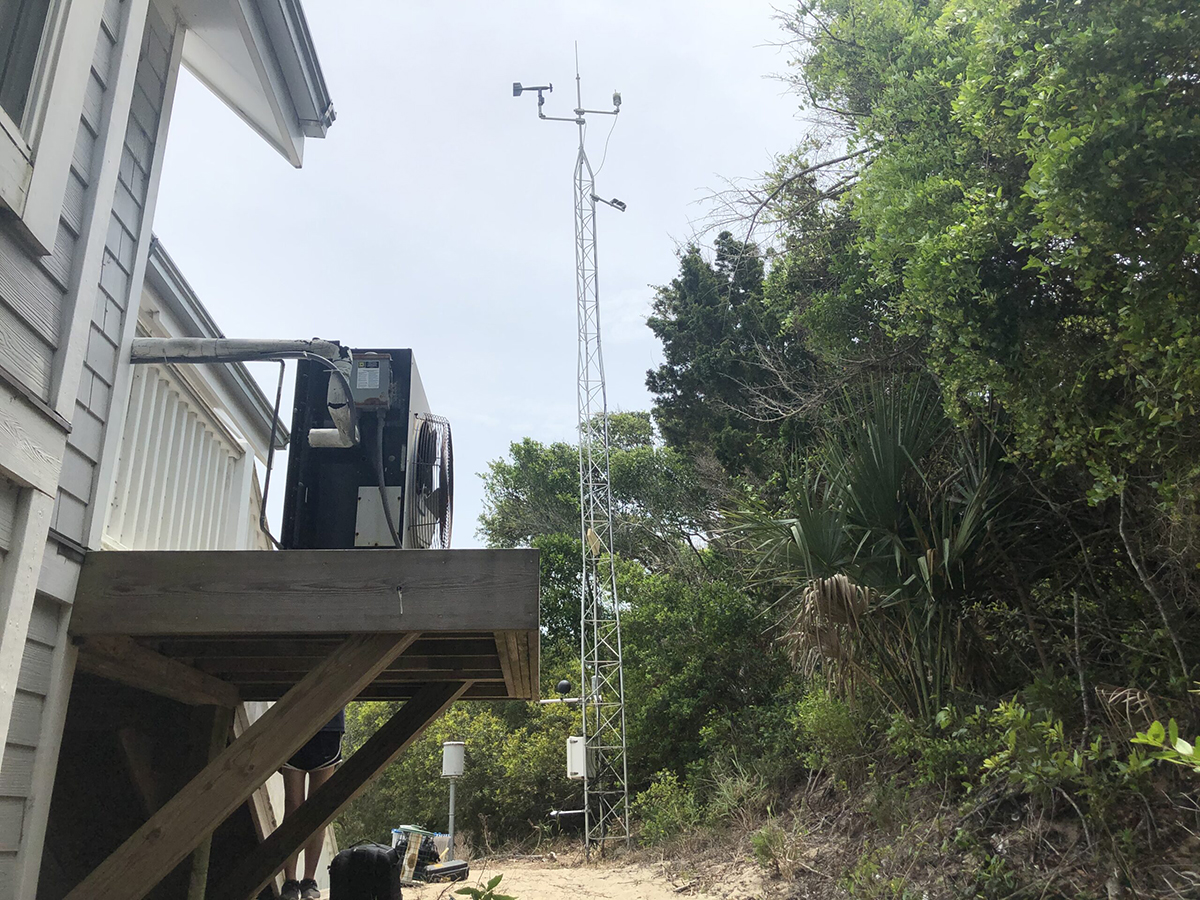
(602, 694)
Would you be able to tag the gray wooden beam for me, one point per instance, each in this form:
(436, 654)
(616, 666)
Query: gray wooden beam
(194, 812)
(234, 665)
(386, 677)
(507, 664)
(121, 659)
(480, 690)
(316, 592)
(359, 769)
(212, 726)
(320, 646)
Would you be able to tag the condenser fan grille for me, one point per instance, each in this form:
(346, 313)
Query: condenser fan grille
(433, 484)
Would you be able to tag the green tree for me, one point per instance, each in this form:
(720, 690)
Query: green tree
(697, 658)
(722, 348)
(512, 776)
(659, 504)
(1032, 206)
(1026, 218)
(559, 570)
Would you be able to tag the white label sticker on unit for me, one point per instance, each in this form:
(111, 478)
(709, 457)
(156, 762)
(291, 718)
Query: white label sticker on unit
(368, 378)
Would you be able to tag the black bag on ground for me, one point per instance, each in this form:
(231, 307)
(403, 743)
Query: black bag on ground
(365, 872)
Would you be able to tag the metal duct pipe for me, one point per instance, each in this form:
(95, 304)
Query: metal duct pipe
(225, 350)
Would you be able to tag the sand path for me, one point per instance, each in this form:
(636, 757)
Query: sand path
(550, 880)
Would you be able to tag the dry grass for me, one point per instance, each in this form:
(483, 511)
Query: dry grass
(830, 844)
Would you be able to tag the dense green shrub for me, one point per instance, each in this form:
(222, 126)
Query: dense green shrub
(949, 754)
(1038, 759)
(833, 736)
(512, 778)
(665, 810)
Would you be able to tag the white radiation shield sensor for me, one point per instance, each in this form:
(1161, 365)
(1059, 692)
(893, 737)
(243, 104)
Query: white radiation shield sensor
(453, 753)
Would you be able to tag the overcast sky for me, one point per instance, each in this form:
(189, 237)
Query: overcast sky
(438, 212)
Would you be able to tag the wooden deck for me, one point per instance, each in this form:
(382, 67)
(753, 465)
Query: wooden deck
(259, 621)
(311, 630)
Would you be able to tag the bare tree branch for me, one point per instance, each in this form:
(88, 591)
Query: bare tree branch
(1150, 588)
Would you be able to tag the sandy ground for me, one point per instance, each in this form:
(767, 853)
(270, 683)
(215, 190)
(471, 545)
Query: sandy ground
(556, 880)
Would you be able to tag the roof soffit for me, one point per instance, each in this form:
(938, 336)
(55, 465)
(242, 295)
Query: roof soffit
(257, 56)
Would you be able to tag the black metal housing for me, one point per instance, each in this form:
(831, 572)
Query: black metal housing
(321, 503)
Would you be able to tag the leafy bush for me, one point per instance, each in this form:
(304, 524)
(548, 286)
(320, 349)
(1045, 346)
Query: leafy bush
(834, 735)
(708, 689)
(1170, 746)
(665, 809)
(949, 755)
(1038, 760)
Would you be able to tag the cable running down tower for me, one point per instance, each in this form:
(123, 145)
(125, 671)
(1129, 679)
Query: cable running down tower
(605, 782)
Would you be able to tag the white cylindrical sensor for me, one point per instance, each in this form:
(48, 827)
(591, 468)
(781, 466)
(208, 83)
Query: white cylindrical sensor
(452, 758)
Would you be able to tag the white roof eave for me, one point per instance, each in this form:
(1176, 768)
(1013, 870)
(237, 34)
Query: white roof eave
(258, 57)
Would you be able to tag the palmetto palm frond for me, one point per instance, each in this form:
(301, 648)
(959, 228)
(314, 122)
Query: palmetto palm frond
(876, 550)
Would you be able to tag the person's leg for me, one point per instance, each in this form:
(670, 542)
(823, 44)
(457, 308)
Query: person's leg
(293, 796)
(312, 849)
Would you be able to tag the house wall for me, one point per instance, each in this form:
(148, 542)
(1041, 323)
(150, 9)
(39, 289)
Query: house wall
(81, 430)
(114, 293)
(63, 320)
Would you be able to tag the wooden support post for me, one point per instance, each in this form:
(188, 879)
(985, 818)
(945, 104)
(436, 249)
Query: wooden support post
(137, 747)
(123, 659)
(261, 813)
(191, 815)
(404, 727)
(213, 725)
(507, 665)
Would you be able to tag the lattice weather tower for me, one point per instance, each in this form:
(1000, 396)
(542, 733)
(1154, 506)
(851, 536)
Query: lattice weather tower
(602, 685)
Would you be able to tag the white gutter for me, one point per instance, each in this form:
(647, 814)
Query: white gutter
(297, 58)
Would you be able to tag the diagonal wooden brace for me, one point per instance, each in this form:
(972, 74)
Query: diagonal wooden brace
(194, 813)
(121, 659)
(354, 775)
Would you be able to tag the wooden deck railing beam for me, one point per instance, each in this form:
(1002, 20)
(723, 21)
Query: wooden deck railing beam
(306, 592)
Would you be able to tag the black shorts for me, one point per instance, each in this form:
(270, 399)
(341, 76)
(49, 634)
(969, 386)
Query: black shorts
(324, 749)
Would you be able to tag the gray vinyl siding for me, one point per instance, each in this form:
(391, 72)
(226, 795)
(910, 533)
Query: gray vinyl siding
(115, 295)
(30, 306)
(9, 493)
(33, 684)
(32, 289)
(25, 728)
(12, 810)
